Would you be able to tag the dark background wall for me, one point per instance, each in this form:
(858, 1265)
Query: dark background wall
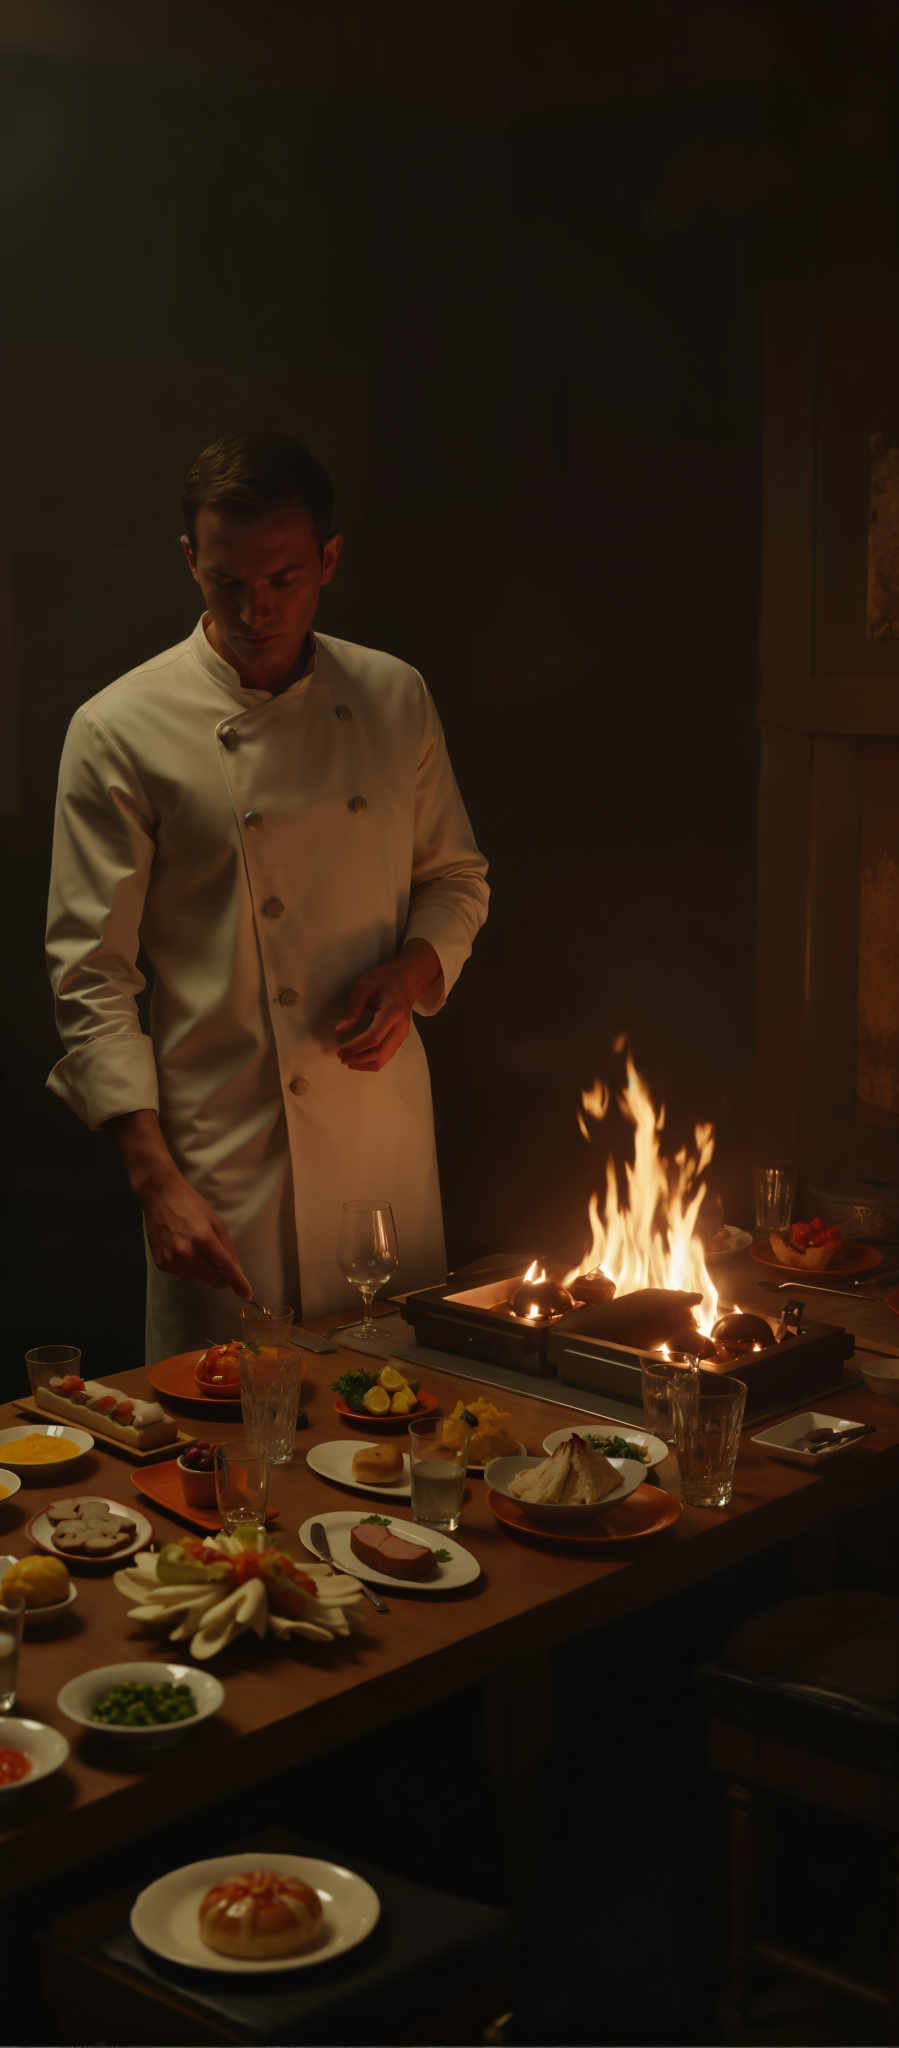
(508, 280)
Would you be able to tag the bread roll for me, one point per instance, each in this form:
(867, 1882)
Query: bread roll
(378, 1464)
(260, 1913)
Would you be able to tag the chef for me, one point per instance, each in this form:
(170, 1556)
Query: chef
(269, 814)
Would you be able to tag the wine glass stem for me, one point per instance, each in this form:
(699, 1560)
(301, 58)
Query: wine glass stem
(367, 1325)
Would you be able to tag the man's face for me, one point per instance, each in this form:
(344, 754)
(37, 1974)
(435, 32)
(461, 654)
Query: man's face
(260, 579)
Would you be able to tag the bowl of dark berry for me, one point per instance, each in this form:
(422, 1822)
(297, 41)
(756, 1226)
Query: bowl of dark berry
(196, 1466)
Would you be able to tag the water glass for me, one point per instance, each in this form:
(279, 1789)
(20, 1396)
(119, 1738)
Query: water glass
(12, 1622)
(775, 1192)
(46, 1361)
(708, 1419)
(269, 1400)
(437, 1472)
(660, 1377)
(241, 1487)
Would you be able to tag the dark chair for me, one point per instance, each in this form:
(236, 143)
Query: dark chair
(805, 1721)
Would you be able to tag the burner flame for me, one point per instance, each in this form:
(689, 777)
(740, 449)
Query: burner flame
(650, 1239)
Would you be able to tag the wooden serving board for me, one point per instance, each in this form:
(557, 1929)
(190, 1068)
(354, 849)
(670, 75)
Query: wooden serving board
(26, 1406)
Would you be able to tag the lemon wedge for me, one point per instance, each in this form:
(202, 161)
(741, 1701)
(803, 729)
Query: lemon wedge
(377, 1401)
(390, 1378)
(403, 1401)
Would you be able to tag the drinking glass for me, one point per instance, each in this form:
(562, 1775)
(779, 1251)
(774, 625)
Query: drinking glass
(265, 1325)
(775, 1192)
(269, 1400)
(50, 1361)
(367, 1254)
(660, 1376)
(12, 1622)
(708, 1420)
(437, 1473)
(241, 1487)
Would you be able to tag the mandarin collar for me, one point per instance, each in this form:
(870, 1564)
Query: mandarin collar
(222, 673)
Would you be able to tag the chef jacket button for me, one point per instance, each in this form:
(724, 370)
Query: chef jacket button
(287, 997)
(357, 803)
(273, 907)
(299, 1084)
(342, 711)
(252, 818)
(229, 738)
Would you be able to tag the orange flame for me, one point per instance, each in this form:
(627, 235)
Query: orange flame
(650, 1241)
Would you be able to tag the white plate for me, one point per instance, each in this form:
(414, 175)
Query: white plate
(781, 1440)
(165, 1916)
(604, 1426)
(40, 1529)
(45, 1746)
(335, 1461)
(36, 1616)
(501, 1470)
(460, 1569)
(8, 1437)
(77, 1697)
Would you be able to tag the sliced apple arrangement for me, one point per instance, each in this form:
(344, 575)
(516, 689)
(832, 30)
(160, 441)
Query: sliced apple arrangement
(814, 1246)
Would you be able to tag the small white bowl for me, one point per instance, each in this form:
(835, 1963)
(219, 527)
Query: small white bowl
(11, 1483)
(501, 1471)
(52, 1430)
(46, 1748)
(881, 1375)
(77, 1698)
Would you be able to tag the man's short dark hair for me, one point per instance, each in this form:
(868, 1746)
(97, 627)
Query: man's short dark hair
(248, 475)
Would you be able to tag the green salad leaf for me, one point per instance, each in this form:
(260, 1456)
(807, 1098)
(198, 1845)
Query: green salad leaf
(618, 1447)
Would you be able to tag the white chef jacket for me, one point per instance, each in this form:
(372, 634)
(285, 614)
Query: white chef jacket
(264, 851)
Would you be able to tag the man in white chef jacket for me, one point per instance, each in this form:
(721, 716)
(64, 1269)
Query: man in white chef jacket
(272, 815)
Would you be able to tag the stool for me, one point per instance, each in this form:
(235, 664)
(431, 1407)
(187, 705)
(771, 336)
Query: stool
(805, 1708)
(435, 1968)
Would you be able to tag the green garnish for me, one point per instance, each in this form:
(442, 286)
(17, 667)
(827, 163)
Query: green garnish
(443, 1556)
(383, 1521)
(354, 1386)
(618, 1447)
(467, 1416)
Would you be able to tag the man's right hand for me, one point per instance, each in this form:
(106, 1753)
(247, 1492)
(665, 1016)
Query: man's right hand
(185, 1235)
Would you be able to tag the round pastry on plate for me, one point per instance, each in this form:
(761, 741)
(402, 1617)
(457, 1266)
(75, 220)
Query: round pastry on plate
(260, 1913)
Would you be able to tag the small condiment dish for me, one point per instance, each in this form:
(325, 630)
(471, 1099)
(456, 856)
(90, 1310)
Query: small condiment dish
(881, 1375)
(790, 1439)
(198, 1487)
(54, 1432)
(10, 1483)
(44, 1747)
(76, 1699)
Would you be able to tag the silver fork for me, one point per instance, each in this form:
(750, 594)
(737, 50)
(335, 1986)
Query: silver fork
(319, 1539)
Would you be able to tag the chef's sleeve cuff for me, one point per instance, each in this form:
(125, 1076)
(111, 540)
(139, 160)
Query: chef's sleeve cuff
(109, 1077)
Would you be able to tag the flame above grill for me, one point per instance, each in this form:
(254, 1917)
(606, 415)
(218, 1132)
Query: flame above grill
(649, 1240)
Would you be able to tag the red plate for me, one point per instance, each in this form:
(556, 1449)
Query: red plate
(162, 1483)
(856, 1258)
(425, 1405)
(176, 1376)
(646, 1510)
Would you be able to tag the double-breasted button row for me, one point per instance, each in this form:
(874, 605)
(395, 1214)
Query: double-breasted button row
(357, 803)
(299, 1084)
(273, 907)
(252, 818)
(343, 712)
(287, 997)
(229, 738)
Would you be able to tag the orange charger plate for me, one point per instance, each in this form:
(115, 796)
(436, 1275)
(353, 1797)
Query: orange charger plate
(647, 1510)
(162, 1483)
(425, 1405)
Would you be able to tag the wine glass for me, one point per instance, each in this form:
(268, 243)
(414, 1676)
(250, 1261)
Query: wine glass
(367, 1254)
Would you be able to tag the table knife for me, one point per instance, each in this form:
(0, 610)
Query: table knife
(319, 1539)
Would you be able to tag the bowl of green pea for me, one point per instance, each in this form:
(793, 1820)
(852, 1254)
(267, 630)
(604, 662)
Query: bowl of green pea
(151, 1704)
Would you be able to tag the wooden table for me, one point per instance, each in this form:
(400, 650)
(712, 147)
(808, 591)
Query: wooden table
(282, 1706)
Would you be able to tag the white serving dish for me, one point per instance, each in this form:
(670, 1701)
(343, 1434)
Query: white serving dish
(35, 1617)
(77, 1697)
(12, 1483)
(40, 1530)
(501, 1471)
(781, 1441)
(45, 1746)
(335, 1461)
(459, 1569)
(165, 1916)
(604, 1426)
(881, 1375)
(53, 1430)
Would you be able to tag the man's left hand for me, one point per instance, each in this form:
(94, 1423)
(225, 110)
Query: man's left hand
(388, 993)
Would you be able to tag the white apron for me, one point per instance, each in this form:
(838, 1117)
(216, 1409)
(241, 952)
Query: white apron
(265, 851)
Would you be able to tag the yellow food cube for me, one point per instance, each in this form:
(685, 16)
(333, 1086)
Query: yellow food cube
(42, 1581)
(403, 1401)
(377, 1401)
